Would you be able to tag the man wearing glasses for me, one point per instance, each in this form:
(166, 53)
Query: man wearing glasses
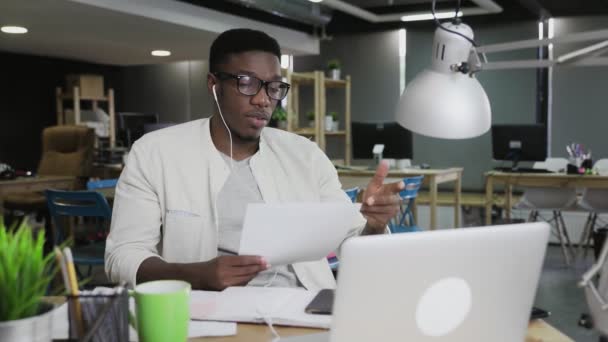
(181, 199)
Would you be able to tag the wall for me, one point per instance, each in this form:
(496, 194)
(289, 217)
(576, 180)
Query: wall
(27, 101)
(177, 91)
(580, 113)
(371, 60)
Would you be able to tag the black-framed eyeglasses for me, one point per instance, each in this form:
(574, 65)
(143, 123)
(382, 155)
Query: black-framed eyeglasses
(251, 85)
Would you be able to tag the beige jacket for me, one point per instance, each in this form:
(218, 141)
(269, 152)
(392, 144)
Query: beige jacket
(165, 203)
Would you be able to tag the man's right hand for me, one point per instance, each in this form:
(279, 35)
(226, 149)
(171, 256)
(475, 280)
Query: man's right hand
(230, 270)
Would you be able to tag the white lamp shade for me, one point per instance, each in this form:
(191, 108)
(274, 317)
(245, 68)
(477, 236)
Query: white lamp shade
(448, 106)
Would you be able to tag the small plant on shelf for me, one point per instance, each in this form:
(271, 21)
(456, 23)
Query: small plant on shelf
(334, 67)
(310, 115)
(280, 116)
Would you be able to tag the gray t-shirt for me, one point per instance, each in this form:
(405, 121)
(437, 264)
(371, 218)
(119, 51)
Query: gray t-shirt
(239, 190)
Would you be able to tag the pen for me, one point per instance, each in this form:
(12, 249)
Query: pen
(73, 280)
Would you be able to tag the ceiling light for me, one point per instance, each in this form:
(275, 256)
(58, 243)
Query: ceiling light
(161, 53)
(429, 16)
(14, 29)
(315, 1)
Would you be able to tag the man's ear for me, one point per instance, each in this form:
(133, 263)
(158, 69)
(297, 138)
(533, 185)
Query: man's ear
(211, 80)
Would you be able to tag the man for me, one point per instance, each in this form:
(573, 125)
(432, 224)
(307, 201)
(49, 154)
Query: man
(181, 199)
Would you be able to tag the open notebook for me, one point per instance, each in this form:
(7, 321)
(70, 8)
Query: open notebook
(281, 306)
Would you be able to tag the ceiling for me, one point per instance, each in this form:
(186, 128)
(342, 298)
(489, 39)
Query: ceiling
(119, 32)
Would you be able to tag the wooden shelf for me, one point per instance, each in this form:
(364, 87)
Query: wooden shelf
(71, 97)
(335, 133)
(76, 99)
(329, 83)
(319, 106)
(305, 131)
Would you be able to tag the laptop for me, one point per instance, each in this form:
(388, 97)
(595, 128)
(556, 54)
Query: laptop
(471, 284)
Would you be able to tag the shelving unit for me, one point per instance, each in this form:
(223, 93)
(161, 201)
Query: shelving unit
(317, 80)
(76, 99)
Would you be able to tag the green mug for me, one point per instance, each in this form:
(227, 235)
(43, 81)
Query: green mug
(162, 309)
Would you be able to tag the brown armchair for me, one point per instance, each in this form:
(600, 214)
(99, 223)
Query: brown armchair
(66, 151)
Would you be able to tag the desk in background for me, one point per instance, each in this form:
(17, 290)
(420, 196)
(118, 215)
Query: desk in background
(548, 180)
(34, 184)
(432, 178)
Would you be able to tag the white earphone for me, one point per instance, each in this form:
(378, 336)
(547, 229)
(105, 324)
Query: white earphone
(224, 121)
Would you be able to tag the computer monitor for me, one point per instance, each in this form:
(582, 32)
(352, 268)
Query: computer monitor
(397, 140)
(130, 126)
(519, 143)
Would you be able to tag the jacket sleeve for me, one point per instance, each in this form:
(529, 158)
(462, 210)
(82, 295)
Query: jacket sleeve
(331, 188)
(136, 218)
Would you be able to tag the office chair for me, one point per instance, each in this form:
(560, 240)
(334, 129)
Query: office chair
(594, 201)
(405, 222)
(595, 285)
(555, 200)
(64, 205)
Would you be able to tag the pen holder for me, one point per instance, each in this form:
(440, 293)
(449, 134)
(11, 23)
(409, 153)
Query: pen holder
(572, 169)
(99, 318)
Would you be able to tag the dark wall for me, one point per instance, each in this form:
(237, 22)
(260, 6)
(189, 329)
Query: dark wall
(27, 101)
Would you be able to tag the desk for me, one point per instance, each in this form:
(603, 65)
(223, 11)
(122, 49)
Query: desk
(549, 180)
(432, 178)
(34, 184)
(538, 331)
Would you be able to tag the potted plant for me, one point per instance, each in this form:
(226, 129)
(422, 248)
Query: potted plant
(280, 115)
(334, 121)
(25, 274)
(310, 115)
(334, 67)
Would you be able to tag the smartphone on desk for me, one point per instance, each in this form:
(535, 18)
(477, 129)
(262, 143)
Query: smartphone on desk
(322, 304)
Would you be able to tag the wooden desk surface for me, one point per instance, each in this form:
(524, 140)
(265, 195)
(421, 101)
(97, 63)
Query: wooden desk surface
(548, 179)
(35, 183)
(399, 173)
(538, 331)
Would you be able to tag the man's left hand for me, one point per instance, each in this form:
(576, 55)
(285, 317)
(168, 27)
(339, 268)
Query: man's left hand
(380, 201)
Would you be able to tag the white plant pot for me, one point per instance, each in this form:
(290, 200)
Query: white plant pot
(336, 126)
(283, 124)
(329, 123)
(33, 329)
(311, 123)
(334, 74)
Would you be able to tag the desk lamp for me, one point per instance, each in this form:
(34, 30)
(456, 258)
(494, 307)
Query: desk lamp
(446, 100)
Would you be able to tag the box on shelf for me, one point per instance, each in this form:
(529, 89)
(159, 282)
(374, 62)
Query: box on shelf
(91, 86)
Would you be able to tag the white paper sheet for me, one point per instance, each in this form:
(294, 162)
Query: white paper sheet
(284, 306)
(287, 233)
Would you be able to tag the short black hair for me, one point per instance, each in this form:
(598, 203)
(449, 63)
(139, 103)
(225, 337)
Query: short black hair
(240, 40)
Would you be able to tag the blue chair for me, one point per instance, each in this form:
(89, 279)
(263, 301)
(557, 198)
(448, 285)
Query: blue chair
(101, 184)
(352, 193)
(405, 223)
(332, 258)
(88, 204)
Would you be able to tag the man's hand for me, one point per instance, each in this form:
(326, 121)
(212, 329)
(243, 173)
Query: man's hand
(380, 201)
(230, 270)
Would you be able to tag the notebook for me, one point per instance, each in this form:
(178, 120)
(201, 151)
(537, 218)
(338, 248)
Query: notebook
(281, 306)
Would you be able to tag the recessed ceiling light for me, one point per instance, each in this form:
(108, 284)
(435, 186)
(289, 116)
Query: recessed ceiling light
(315, 0)
(14, 29)
(161, 53)
(429, 16)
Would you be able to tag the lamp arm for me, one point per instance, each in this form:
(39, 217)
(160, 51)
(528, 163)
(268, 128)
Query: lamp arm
(573, 57)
